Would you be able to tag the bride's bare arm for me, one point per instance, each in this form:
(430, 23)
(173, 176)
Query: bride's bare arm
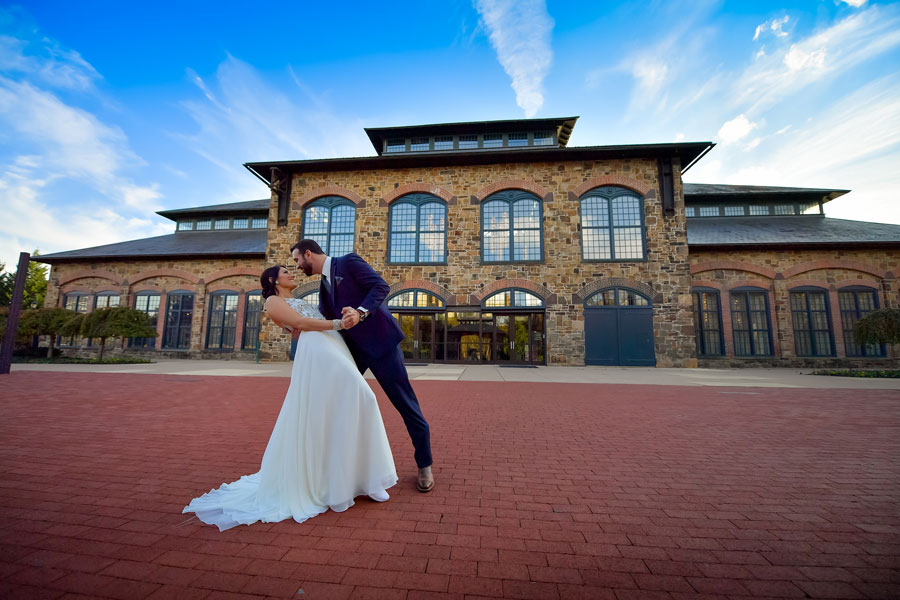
(283, 315)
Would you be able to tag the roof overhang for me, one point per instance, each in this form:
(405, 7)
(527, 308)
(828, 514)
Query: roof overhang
(687, 152)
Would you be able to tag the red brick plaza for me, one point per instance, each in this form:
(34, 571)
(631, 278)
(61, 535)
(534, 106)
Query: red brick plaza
(544, 491)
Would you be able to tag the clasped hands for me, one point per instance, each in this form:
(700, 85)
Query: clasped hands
(349, 318)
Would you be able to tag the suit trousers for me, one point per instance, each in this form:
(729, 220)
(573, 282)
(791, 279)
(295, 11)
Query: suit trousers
(391, 373)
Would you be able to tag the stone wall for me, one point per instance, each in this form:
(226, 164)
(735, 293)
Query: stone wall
(780, 271)
(561, 275)
(127, 278)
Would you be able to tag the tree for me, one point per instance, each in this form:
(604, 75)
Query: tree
(45, 321)
(878, 327)
(118, 321)
(35, 284)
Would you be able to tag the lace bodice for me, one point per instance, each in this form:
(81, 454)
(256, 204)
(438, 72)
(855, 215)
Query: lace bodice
(304, 308)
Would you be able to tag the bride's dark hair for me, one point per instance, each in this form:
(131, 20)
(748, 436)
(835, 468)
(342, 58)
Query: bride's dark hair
(267, 281)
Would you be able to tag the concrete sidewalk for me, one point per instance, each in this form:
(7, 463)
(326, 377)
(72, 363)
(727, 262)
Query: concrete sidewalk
(754, 378)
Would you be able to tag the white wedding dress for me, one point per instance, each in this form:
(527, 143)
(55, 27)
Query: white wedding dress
(328, 446)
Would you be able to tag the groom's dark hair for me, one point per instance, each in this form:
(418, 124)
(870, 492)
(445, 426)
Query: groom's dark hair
(304, 245)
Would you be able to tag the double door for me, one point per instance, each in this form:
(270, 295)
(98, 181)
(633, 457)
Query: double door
(518, 338)
(419, 329)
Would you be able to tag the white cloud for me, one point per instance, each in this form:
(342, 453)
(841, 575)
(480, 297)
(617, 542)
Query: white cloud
(244, 117)
(520, 34)
(854, 144)
(797, 59)
(775, 26)
(854, 3)
(51, 146)
(44, 61)
(828, 53)
(736, 129)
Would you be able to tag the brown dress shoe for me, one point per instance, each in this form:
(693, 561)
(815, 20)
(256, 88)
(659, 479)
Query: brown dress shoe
(425, 482)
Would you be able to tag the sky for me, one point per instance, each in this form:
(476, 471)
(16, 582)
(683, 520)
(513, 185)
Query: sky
(110, 111)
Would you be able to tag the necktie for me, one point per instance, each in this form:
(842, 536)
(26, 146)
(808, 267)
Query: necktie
(327, 285)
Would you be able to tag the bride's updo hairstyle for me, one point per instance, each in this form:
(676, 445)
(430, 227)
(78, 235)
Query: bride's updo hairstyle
(267, 281)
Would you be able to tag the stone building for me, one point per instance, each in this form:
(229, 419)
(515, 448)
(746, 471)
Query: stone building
(502, 245)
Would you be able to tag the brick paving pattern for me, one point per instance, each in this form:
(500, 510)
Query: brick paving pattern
(545, 491)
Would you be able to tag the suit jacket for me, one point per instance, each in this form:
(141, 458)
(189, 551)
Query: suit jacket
(354, 283)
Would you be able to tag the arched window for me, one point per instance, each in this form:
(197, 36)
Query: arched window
(708, 322)
(612, 225)
(147, 303)
(78, 302)
(750, 323)
(331, 222)
(412, 299)
(179, 313)
(311, 297)
(106, 300)
(513, 298)
(511, 223)
(221, 320)
(855, 303)
(811, 321)
(252, 317)
(418, 230)
(617, 296)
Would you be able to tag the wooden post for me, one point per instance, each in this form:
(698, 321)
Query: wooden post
(9, 337)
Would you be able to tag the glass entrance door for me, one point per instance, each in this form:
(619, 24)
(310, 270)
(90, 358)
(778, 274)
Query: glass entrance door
(420, 335)
(518, 338)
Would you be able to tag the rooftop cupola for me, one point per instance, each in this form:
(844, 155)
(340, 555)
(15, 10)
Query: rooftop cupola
(473, 136)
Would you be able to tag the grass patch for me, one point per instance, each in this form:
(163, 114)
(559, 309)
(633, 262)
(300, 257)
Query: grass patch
(879, 373)
(89, 361)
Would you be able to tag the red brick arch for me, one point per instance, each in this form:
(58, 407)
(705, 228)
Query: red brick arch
(734, 265)
(603, 180)
(513, 184)
(759, 283)
(231, 287)
(817, 283)
(526, 284)
(607, 282)
(91, 273)
(834, 263)
(230, 272)
(423, 284)
(181, 274)
(708, 283)
(329, 190)
(870, 283)
(425, 188)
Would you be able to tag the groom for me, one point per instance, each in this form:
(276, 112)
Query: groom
(372, 335)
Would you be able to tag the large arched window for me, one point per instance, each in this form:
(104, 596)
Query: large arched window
(513, 298)
(612, 225)
(252, 320)
(708, 322)
(418, 230)
(77, 302)
(616, 296)
(106, 300)
(147, 303)
(331, 222)
(221, 320)
(812, 322)
(412, 299)
(511, 223)
(750, 323)
(855, 303)
(179, 314)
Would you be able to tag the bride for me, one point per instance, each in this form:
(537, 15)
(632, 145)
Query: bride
(328, 445)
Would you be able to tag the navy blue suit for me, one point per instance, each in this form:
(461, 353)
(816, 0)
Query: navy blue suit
(375, 342)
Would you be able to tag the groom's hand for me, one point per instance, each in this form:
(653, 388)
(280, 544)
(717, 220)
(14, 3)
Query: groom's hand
(350, 317)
